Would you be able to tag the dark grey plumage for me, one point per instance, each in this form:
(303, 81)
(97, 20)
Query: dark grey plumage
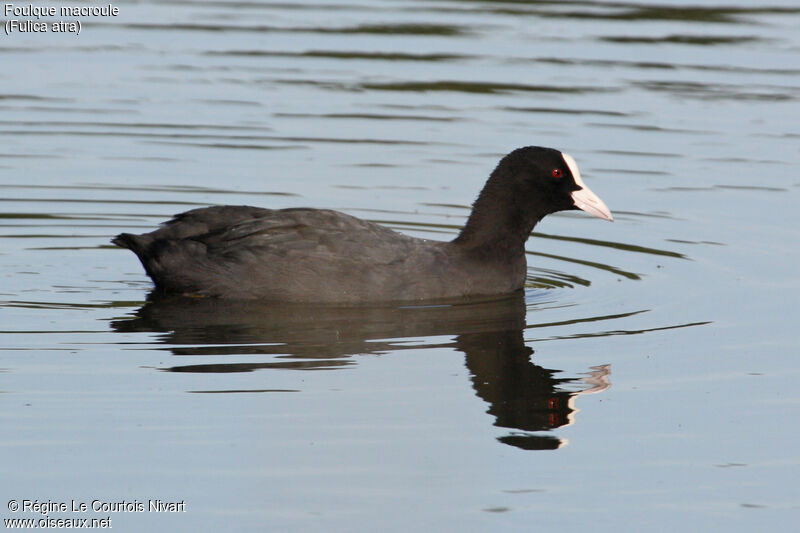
(318, 255)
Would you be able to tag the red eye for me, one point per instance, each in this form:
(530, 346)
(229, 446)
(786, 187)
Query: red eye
(557, 173)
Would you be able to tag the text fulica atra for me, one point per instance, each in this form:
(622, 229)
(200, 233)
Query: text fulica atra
(319, 255)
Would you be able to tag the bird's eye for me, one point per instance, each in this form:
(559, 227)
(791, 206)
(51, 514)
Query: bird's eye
(557, 173)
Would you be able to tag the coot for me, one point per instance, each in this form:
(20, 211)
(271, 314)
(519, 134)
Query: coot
(319, 255)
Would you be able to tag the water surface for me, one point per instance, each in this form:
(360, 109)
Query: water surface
(642, 381)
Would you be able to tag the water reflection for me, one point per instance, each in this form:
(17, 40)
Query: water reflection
(523, 397)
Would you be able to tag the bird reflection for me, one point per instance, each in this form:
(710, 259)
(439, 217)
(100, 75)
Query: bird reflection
(523, 397)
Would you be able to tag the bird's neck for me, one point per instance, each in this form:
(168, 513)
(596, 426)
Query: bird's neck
(497, 223)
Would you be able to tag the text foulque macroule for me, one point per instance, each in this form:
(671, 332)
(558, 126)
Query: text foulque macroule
(32, 11)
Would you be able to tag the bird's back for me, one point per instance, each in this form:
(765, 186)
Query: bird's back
(287, 255)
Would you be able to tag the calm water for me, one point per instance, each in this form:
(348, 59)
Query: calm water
(644, 381)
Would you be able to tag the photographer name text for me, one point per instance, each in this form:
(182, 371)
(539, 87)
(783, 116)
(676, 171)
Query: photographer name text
(45, 507)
